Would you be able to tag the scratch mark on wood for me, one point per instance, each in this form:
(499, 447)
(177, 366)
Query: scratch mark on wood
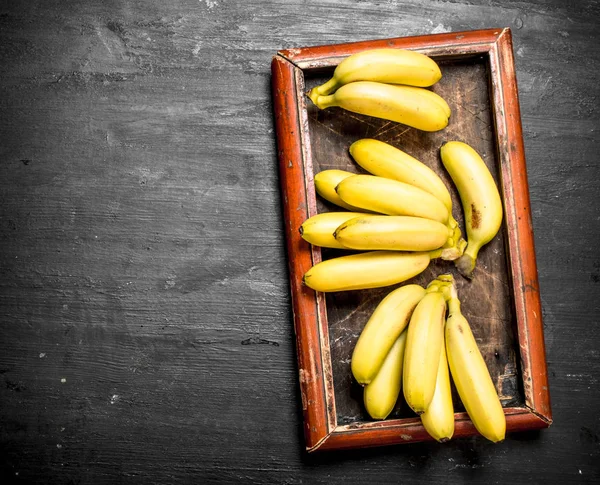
(259, 341)
(399, 135)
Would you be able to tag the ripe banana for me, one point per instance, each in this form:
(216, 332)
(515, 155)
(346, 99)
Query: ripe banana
(471, 376)
(404, 104)
(423, 349)
(438, 99)
(319, 229)
(381, 394)
(385, 160)
(387, 322)
(393, 233)
(325, 183)
(480, 199)
(379, 194)
(371, 269)
(438, 420)
(393, 66)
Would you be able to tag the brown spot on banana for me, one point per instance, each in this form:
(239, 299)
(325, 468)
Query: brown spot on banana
(475, 217)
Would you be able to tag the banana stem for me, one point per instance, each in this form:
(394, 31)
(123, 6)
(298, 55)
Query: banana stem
(452, 222)
(323, 102)
(328, 87)
(453, 304)
(446, 278)
(433, 286)
(322, 90)
(444, 283)
(466, 263)
(313, 95)
(455, 247)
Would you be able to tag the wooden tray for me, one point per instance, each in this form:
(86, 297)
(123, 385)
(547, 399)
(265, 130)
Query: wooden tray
(502, 302)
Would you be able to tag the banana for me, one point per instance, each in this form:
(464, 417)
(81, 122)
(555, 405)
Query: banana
(371, 269)
(387, 322)
(438, 420)
(393, 66)
(381, 394)
(437, 98)
(325, 183)
(382, 159)
(423, 349)
(403, 104)
(379, 194)
(480, 199)
(394, 233)
(318, 229)
(471, 376)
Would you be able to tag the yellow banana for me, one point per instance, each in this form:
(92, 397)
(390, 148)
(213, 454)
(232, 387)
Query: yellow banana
(423, 349)
(393, 66)
(371, 269)
(319, 229)
(379, 194)
(471, 376)
(326, 182)
(438, 99)
(383, 328)
(403, 104)
(438, 420)
(479, 196)
(381, 394)
(385, 160)
(394, 233)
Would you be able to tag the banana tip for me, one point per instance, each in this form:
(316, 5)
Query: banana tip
(313, 94)
(465, 266)
(446, 277)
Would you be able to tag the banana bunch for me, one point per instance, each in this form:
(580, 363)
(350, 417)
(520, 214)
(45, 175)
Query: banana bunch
(393, 220)
(417, 341)
(470, 373)
(389, 84)
(399, 216)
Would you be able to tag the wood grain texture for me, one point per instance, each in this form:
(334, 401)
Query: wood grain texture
(142, 253)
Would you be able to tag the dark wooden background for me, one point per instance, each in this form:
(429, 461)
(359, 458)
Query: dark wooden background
(145, 320)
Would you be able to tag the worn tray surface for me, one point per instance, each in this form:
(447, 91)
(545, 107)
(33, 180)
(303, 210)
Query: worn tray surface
(486, 300)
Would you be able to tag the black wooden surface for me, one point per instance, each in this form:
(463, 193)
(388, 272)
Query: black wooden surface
(146, 331)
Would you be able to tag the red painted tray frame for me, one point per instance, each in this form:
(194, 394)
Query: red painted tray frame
(321, 430)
